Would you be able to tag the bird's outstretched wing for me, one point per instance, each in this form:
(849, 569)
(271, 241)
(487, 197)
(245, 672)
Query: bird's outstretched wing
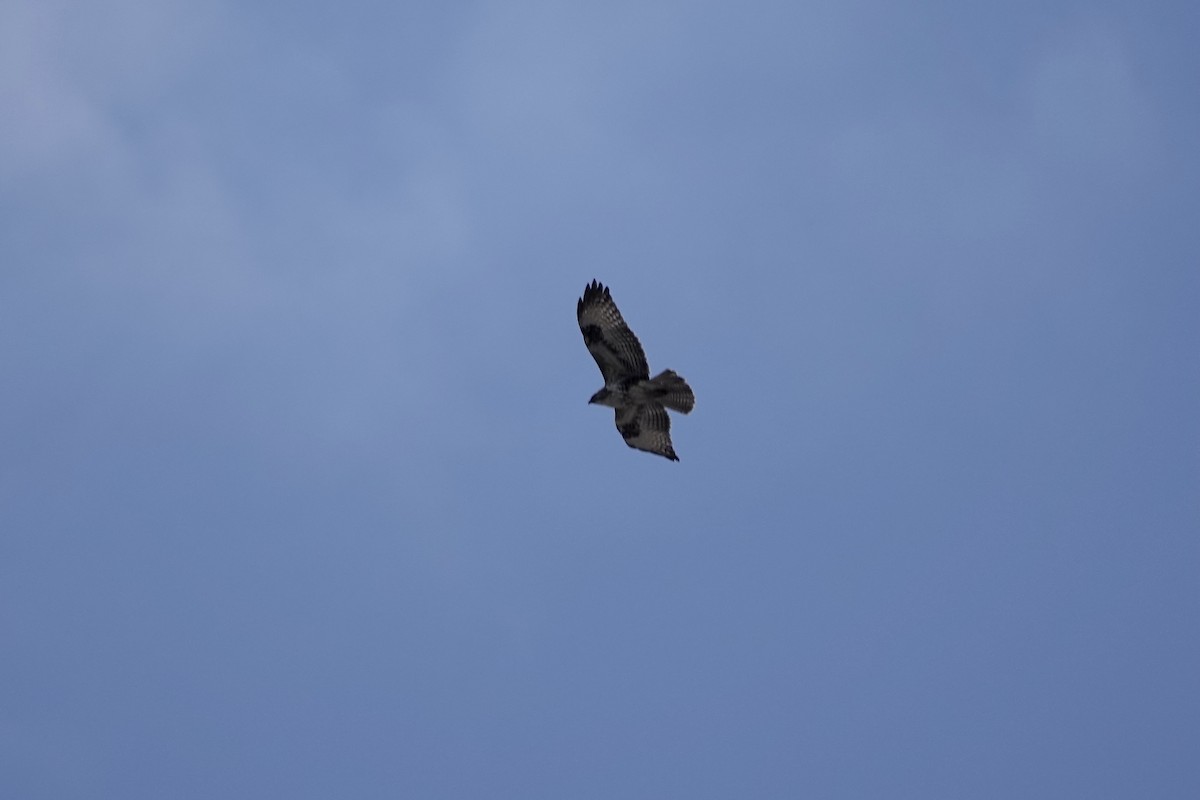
(647, 427)
(616, 350)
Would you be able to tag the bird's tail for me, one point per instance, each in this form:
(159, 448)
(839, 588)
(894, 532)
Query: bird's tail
(672, 391)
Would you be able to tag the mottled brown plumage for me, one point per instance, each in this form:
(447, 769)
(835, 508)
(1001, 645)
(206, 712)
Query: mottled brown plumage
(641, 402)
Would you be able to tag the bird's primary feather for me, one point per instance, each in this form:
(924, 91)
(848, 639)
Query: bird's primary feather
(610, 341)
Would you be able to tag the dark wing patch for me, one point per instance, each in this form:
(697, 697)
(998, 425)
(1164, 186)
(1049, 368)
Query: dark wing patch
(617, 351)
(647, 427)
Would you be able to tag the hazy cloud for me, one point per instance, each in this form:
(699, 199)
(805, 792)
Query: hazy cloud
(1087, 108)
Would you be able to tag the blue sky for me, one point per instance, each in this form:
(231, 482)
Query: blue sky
(300, 494)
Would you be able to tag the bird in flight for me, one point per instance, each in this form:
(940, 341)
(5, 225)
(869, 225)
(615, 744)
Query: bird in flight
(641, 402)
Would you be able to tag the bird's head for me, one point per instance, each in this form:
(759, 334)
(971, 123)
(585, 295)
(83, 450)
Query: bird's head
(600, 396)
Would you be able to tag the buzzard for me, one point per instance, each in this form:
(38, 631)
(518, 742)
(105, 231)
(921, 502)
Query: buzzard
(641, 401)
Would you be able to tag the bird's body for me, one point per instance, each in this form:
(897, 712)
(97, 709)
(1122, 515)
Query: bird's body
(641, 402)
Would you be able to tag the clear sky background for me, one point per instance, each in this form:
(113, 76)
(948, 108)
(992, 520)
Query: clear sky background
(301, 497)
